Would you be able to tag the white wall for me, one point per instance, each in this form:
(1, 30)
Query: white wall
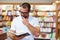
(30, 1)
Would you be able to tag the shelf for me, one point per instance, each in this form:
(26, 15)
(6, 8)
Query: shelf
(44, 16)
(48, 27)
(3, 36)
(59, 32)
(15, 15)
(16, 10)
(59, 28)
(58, 22)
(2, 33)
(46, 32)
(0, 20)
(0, 15)
(3, 10)
(46, 11)
(9, 15)
(58, 10)
(41, 38)
(6, 15)
(3, 20)
(1, 26)
(46, 22)
(58, 16)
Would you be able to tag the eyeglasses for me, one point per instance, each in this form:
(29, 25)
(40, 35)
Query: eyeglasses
(24, 12)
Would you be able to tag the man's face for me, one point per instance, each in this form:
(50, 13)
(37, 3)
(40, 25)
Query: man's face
(24, 12)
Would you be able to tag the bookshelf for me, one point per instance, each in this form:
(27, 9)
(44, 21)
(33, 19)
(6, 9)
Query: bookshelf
(6, 13)
(6, 16)
(47, 20)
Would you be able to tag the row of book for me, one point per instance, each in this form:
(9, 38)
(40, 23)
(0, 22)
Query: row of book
(48, 25)
(59, 20)
(16, 12)
(46, 13)
(47, 19)
(59, 7)
(47, 36)
(47, 30)
(7, 18)
(4, 30)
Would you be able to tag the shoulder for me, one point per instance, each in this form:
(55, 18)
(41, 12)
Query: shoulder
(33, 18)
(17, 18)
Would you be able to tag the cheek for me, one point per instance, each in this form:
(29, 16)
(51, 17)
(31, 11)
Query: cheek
(24, 14)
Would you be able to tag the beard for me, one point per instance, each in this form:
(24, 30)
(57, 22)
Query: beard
(25, 16)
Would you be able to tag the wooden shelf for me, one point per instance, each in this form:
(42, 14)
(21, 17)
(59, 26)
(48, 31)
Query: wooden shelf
(59, 27)
(3, 20)
(9, 15)
(46, 32)
(3, 10)
(58, 22)
(6, 15)
(43, 16)
(38, 38)
(47, 22)
(58, 10)
(15, 15)
(58, 16)
(46, 10)
(48, 27)
(59, 32)
(3, 36)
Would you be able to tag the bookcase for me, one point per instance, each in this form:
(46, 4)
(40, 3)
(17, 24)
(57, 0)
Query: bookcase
(58, 19)
(5, 17)
(45, 13)
(47, 20)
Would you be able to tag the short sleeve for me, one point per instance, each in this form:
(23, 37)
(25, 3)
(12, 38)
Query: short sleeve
(36, 22)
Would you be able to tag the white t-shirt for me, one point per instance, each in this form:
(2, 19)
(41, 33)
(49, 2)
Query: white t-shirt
(18, 26)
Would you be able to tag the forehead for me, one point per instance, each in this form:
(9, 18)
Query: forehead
(24, 9)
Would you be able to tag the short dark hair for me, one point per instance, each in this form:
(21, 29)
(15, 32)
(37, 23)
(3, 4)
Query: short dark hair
(26, 5)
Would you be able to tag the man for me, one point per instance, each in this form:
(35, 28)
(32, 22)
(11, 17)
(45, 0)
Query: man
(24, 24)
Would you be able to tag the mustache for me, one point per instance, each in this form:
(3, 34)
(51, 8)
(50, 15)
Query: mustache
(25, 16)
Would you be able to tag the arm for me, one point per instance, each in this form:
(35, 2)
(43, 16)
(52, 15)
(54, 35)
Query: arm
(12, 31)
(13, 37)
(34, 30)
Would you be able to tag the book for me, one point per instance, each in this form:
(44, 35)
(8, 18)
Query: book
(24, 34)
